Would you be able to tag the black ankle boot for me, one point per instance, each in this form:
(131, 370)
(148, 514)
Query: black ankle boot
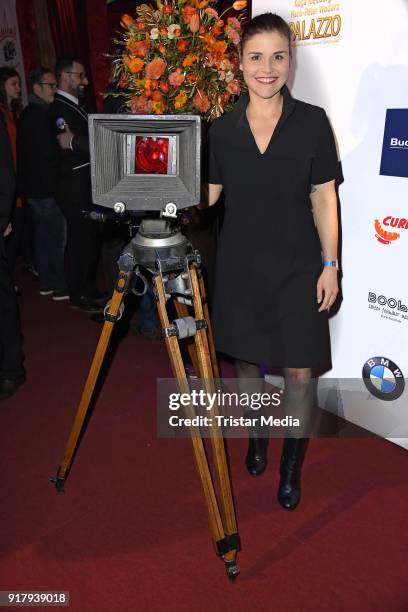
(256, 458)
(290, 466)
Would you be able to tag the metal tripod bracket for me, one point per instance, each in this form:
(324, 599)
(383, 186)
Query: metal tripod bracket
(186, 327)
(231, 541)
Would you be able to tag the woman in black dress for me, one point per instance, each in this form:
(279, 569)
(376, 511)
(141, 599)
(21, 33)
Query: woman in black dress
(275, 158)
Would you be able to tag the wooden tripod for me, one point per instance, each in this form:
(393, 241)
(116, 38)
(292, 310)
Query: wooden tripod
(220, 510)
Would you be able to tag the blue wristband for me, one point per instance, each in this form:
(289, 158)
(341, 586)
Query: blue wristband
(331, 264)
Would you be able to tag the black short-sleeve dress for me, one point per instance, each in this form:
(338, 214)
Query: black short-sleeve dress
(269, 256)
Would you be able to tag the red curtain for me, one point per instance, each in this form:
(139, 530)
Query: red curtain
(80, 29)
(99, 43)
(67, 26)
(28, 38)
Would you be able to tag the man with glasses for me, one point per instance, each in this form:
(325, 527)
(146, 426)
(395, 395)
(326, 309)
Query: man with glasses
(70, 122)
(37, 153)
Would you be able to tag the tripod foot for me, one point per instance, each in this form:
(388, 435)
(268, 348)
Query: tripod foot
(59, 483)
(232, 569)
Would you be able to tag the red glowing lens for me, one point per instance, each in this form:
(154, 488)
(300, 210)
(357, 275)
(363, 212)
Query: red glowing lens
(151, 155)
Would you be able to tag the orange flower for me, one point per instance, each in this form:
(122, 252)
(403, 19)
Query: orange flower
(239, 5)
(209, 40)
(140, 47)
(192, 78)
(167, 9)
(158, 107)
(155, 68)
(140, 105)
(190, 59)
(140, 24)
(162, 48)
(164, 87)
(134, 64)
(176, 78)
(182, 45)
(126, 21)
(219, 48)
(188, 12)
(201, 102)
(157, 96)
(180, 100)
(195, 23)
(163, 31)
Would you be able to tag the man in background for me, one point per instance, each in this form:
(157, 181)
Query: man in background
(12, 373)
(37, 155)
(74, 184)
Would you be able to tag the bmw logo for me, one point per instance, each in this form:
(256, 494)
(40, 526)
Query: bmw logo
(383, 378)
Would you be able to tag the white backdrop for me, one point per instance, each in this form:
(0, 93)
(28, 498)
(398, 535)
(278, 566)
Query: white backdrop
(10, 47)
(351, 58)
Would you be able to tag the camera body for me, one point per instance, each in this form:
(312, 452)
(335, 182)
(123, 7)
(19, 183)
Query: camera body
(143, 163)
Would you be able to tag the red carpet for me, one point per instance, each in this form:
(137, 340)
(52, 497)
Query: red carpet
(130, 532)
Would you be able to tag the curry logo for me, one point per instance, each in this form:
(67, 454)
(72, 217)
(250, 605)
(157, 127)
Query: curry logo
(385, 229)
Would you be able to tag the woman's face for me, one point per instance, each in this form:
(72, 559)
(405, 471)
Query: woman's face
(265, 64)
(13, 88)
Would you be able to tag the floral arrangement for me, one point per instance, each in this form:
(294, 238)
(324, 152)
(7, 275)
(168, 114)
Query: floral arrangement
(182, 57)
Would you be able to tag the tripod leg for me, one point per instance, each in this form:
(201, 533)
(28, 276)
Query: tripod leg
(110, 317)
(182, 311)
(204, 302)
(173, 349)
(217, 441)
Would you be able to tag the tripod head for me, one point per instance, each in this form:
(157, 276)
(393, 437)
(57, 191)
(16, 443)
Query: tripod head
(160, 247)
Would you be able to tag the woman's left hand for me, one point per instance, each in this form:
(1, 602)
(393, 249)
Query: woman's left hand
(327, 288)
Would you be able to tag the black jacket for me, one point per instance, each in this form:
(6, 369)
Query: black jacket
(74, 176)
(37, 152)
(7, 180)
